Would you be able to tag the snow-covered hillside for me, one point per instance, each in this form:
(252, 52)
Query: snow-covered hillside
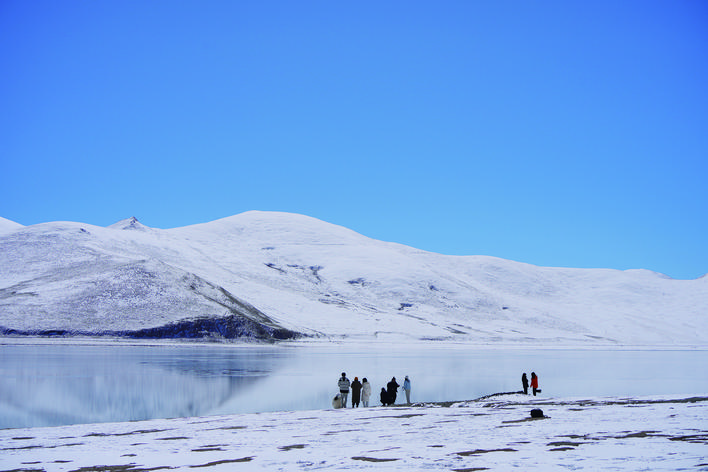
(268, 274)
(7, 226)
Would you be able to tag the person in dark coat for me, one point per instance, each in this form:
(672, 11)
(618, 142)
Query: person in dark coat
(392, 389)
(525, 383)
(384, 397)
(356, 392)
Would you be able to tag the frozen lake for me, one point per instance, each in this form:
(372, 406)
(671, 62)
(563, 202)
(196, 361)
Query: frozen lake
(43, 384)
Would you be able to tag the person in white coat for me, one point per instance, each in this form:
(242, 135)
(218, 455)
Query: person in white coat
(365, 392)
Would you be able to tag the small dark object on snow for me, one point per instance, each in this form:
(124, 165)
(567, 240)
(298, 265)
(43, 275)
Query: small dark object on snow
(536, 413)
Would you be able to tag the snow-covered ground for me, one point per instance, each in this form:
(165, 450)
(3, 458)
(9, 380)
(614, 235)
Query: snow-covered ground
(658, 433)
(281, 270)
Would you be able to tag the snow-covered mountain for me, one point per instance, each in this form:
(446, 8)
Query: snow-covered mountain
(7, 226)
(268, 274)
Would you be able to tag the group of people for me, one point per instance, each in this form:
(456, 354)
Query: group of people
(534, 383)
(361, 392)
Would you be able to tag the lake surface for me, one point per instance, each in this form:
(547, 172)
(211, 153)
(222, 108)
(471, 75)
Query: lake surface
(60, 383)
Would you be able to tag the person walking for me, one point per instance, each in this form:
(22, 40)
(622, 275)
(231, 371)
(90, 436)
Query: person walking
(344, 385)
(525, 383)
(392, 390)
(365, 392)
(356, 392)
(534, 383)
(407, 389)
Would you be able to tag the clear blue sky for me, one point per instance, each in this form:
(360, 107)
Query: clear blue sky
(558, 133)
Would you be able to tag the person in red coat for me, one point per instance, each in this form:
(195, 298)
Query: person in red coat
(534, 383)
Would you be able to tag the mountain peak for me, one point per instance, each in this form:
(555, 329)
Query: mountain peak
(131, 223)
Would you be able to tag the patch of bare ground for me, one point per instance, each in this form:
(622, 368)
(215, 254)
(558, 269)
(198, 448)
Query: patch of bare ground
(372, 459)
(130, 433)
(118, 468)
(692, 438)
(225, 461)
(24, 470)
(485, 451)
(640, 434)
(330, 433)
(35, 446)
(564, 444)
(524, 420)
(292, 446)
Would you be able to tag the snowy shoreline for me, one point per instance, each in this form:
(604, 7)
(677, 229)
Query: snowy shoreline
(660, 432)
(335, 342)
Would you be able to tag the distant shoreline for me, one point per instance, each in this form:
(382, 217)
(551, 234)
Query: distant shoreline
(336, 342)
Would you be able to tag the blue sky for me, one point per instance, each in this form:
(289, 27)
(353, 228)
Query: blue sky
(550, 132)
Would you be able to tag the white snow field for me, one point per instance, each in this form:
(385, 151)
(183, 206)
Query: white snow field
(7, 226)
(269, 274)
(666, 433)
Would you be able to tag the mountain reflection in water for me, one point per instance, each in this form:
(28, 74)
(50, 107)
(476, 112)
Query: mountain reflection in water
(56, 383)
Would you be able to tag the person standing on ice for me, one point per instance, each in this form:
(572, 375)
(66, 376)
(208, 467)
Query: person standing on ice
(356, 392)
(534, 383)
(525, 383)
(343, 385)
(407, 389)
(365, 392)
(392, 390)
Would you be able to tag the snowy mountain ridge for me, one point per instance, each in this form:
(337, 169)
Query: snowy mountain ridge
(7, 226)
(270, 274)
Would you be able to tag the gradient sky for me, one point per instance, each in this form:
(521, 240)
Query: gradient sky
(557, 133)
